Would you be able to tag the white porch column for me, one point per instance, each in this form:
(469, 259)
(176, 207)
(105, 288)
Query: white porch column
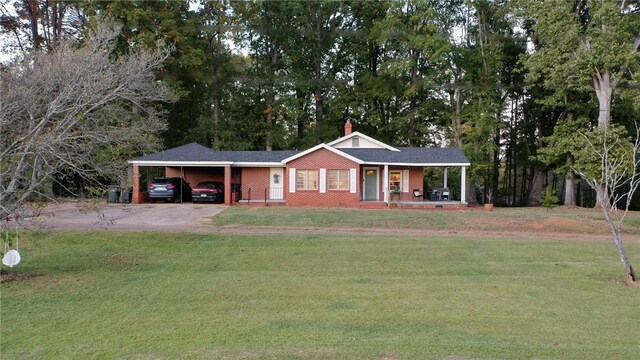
(446, 173)
(463, 184)
(385, 185)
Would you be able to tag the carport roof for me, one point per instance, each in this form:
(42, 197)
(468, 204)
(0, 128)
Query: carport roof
(195, 154)
(189, 152)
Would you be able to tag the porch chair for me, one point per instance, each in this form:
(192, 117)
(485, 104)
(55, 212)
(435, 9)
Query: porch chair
(417, 194)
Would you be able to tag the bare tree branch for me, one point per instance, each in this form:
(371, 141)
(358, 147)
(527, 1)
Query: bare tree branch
(75, 109)
(615, 179)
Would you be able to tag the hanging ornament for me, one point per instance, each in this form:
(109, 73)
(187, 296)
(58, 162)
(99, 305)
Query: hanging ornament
(11, 257)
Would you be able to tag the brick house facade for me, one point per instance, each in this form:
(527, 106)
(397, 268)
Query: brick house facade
(322, 161)
(351, 171)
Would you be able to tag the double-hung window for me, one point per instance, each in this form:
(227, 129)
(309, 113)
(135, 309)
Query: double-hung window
(307, 180)
(338, 179)
(395, 180)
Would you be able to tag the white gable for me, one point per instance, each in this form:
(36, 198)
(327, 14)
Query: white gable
(356, 142)
(359, 140)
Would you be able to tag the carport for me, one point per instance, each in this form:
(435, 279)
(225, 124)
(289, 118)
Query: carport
(189, 162)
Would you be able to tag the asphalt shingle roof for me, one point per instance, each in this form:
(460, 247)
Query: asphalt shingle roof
(407, 155)
(257, 156)
(197, 152)
(189, 152)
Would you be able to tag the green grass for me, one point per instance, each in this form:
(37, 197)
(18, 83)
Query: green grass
(114, 295)
(579, 220)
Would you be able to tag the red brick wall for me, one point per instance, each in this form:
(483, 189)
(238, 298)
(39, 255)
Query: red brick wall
(316, 160)
(416, 176)
(257, 179)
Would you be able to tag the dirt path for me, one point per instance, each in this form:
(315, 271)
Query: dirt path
(151, 217)
(197, 219)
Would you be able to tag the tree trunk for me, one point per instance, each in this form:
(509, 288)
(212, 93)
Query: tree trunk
(301, 116)
(570, 184)
(270, 99)
(536, 188)
(317, 70)
(495, 175)
(471, 193)
(33, 12)
(268, 137)
(411, 131)
(604, 92)
(319, 106)
(457, 117)
(630, 274)
(215, 130)
(215, 138)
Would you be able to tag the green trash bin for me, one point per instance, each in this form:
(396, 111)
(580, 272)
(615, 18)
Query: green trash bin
(114, 194)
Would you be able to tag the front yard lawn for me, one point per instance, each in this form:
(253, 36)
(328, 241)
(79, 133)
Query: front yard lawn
(115, 295)
(519, 220)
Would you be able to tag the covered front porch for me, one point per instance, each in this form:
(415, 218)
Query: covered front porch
(403, 185)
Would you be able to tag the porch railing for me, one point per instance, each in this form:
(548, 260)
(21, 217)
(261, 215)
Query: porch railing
(273, 193)
(267, 194)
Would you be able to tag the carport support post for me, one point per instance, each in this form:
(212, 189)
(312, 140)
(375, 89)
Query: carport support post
(227, 185)
(135, 173)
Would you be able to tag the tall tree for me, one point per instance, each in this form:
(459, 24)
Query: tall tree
(491, 53)
(583, 46)
(374, 88)
(39, 24)
(413, 31)
(266, 36)
(74, 107)
(594, 42)
(173, 22)
(216, 73)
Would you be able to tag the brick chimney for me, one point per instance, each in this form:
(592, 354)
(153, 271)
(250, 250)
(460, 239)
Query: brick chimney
(347, 128)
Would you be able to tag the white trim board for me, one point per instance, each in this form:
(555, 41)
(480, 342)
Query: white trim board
(415, 164)
(181, 163)
(322, 146)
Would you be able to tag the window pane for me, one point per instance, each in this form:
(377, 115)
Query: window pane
(395, 180)
(333, 179)
(313, 180)
(299, 180)
(344, 181)
(307, 179)
(338, 179)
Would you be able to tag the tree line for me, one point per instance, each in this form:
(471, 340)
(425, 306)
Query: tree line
(511, 83)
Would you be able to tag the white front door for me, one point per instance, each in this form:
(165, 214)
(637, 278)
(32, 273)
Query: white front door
(276, 181)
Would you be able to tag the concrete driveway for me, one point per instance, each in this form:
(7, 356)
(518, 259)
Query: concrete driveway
(159, 216)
